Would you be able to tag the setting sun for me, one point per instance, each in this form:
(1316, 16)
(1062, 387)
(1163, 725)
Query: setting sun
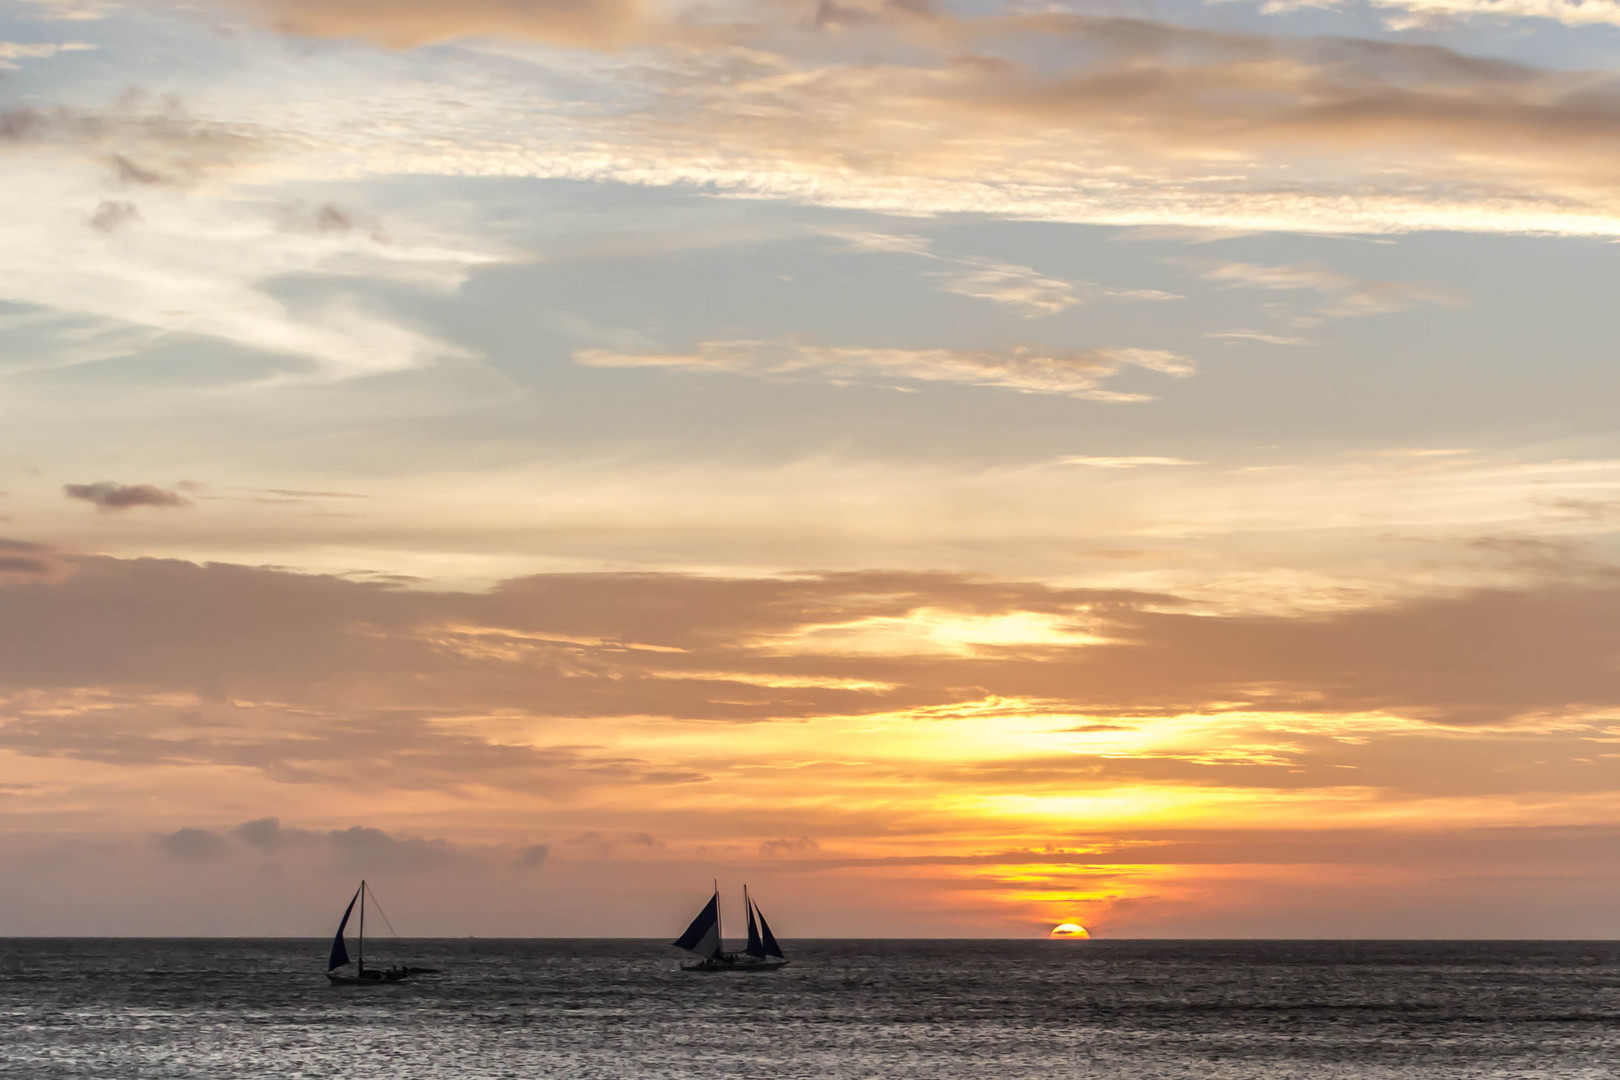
(1068, 930)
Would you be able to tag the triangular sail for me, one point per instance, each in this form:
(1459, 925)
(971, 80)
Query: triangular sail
(703, 936)
(340, 951)
(756, 946)
(768, 944)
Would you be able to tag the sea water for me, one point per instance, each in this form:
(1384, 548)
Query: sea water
(985, 1010)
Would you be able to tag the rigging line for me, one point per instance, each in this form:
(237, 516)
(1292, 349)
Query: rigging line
(378, 905)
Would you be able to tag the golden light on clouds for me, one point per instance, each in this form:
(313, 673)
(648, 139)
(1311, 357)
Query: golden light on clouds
(965, 473)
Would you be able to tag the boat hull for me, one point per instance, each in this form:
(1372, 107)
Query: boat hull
(735, 967)
(369, 978)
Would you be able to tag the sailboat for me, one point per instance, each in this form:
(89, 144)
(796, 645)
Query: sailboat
(702, 939)
(339, 958)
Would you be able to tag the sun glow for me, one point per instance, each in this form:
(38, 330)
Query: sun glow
(1068, 930)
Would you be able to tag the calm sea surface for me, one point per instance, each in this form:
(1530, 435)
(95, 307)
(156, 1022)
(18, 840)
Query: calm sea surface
(945, 1010)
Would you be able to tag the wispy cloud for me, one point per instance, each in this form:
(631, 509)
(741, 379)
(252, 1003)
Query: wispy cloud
(11, 51)
(192, 258)
(1318, 134)
(1406, 14)
(70, 10)
(1261, 336)
(1017, 287)
(1346, 296)
(1123, 462)
(1022, 288)
(1027, 368)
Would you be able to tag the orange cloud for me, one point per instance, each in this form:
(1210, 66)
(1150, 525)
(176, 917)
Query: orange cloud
(1104, 756)
(405, 24)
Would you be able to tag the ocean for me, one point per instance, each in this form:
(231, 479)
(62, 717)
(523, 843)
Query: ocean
(985, 1010)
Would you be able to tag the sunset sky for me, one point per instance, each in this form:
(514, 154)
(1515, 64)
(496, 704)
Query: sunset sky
(956, 467)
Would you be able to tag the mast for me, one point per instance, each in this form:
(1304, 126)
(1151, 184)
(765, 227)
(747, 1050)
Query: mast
(362, 924)
(719, 932)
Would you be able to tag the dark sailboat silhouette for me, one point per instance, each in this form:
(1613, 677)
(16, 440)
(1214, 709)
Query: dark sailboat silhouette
(703, 940)
(339, 957)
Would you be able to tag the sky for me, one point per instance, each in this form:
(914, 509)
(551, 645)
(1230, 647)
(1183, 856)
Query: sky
(955, 467)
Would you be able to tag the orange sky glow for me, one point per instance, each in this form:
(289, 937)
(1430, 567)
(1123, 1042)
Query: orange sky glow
(958, 470)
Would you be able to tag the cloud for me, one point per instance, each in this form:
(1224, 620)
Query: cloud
(1127, 122)
(1257, 335)
(327, 217)
(1347, 296)
(1029, 369)
(25, 559)
(111, 216)
(1014, 286)
(11, 51)
(1420, 13)
(369, 850)
(1124, 121)
(1123, 462)
(194, 845)
(128, 172)
(264, 833)
(600, 24)
(215, 685)
(302, 677)
(889, 243)
(1149, 295)
(208, 259)
(139, 143)
(1593, 510)
(70, 10)
(1019, 287)
(356, 847)
(108, 496)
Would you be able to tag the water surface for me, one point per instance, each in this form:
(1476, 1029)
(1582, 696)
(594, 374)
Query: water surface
(939, 1010)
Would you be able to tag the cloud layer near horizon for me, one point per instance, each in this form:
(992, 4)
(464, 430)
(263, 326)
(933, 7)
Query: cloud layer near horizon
(648, 644)
(945, 714)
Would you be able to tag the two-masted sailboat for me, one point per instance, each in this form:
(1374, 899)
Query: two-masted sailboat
(339, 958)
(703, 940)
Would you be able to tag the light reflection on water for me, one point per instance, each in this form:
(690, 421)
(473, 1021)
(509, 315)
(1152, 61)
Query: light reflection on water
(937, 1010)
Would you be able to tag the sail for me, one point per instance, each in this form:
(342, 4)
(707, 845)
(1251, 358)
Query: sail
(340, 952)
(756, 946)
(703, 936)
(768, 945)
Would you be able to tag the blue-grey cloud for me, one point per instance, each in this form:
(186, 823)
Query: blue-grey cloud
(264, 833)
(194, 845)
(111, 216)
(23, 558)
(110, 496)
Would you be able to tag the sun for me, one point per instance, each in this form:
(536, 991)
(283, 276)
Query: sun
(1068, 930)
